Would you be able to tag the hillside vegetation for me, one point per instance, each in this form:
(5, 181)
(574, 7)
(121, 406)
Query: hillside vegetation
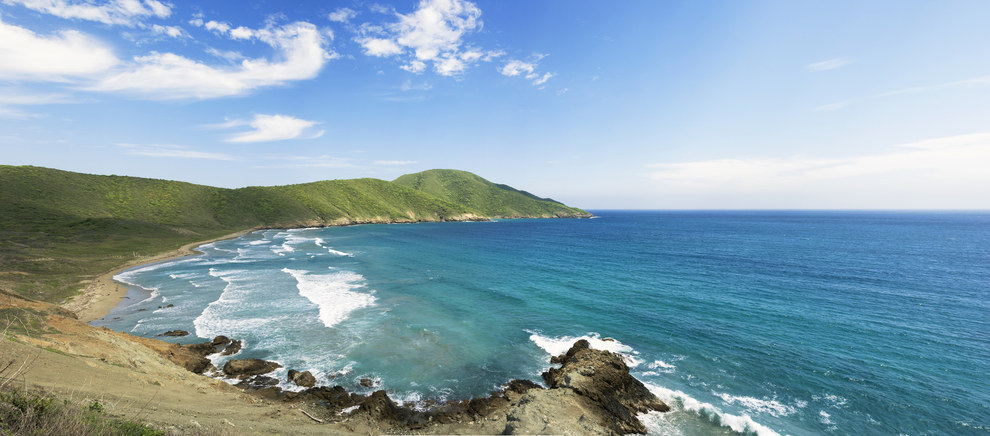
(487, 198)
(59, 229)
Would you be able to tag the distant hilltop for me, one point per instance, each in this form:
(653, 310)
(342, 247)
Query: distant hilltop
(58, 228)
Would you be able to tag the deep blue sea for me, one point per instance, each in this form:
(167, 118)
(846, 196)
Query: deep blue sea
(745, 322)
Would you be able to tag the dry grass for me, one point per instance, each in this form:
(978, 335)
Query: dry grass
(25, 410)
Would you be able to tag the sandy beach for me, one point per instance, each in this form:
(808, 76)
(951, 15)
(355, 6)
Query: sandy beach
(104, 293)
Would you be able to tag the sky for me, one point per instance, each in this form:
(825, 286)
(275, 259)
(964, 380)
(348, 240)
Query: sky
(601, 105)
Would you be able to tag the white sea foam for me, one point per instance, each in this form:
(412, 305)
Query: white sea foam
(658, 424)
(658, 367)
(824, 417)
(679, 400)
(126, 278)
(770, 407)
(318, 242)
(830, 399)
(260, 242)
(215, 319)
(332, 293)
(338, 253)
(560, 345)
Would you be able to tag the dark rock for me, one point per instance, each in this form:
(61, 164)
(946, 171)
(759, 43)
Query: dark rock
(304, 379)
(603, 378)
(380, 407)
(220, 341)
(244, 368)
(521, 386)
(334, 398)
(367, 383)
(232, 348)
(258, 382)
(176, 333)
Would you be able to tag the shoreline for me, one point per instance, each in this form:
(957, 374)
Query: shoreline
(104, 293)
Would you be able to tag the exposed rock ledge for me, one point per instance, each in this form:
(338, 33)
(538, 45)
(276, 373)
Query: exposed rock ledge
(592, 393)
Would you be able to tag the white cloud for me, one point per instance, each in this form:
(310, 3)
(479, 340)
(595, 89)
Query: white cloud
(829, 64)
(217, 26)
(176, 151)
(241, 33)
(171, 31)
(517, 67)
(415, 67)
(434, 33)
(950, 167)
(123, 12)
(396, 162)
(266, 128)
(342, 15)
(379, 47)
(449, 66)
(25, 55)
(10, 98)
(541, 80)
(168, 76)
(229, 55)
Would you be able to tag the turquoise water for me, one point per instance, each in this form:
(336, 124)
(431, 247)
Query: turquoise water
(758, 322)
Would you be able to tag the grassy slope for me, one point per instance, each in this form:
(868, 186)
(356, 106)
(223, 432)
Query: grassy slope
(59, 229)
(489, 198)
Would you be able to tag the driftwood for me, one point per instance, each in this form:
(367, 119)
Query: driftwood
(311, 416)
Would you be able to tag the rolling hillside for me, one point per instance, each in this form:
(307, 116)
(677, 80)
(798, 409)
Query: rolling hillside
(58, 229)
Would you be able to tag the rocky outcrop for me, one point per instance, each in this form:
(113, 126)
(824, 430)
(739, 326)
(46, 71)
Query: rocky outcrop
(603, 380)
(303, 379)
(591, 393)
(246, 368)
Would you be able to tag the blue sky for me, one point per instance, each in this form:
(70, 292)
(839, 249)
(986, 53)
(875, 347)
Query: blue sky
(640, 104)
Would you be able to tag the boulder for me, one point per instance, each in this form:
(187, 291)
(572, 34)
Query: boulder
(176, 333)
(367, 383)
(244, 368)
(304, 379)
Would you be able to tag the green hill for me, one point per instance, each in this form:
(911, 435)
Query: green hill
(59, 229)
(489, 199)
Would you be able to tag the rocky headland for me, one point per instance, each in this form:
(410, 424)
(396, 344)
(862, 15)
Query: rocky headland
(590, 393)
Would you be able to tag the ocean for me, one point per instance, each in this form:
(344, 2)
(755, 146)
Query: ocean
(757, 322)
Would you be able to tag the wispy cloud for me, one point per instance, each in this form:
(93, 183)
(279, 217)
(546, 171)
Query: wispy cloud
(27, 56)
(516, 67)
(829, 64)
(173, 151)
(170, 31)
(409, 86)
(342, 15)
(953, 160)
(395, 162)
(972, 82)
(119, 12)
(268, 128)
(168, 76)
(433, 33)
